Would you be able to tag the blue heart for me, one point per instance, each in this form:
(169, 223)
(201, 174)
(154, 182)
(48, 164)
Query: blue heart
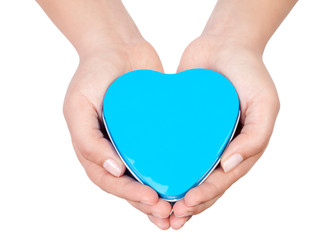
(171, 129)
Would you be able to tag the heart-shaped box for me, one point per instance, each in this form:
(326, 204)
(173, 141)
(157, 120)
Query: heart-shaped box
(171, 129)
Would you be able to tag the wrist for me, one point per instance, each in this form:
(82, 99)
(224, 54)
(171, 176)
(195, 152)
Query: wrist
(107, 47)
(236, 40)
(247, 23)
(101, 27)
(222, 50)
(119, 57)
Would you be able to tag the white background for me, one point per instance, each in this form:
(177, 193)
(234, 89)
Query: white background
(45, 194)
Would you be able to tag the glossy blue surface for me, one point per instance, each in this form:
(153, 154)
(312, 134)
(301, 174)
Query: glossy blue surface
(171, 129)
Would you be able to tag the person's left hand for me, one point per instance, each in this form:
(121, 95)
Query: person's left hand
(259, 105)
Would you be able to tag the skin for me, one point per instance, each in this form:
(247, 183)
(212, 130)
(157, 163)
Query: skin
(232, 43)
(109, 44)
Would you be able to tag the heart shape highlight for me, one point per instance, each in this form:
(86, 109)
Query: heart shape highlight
(170, 130)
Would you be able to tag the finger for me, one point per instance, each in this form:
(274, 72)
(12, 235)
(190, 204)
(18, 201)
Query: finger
(204, 196)
(258, 124)
(178, 222)
(124, 187)
(88, 140)
(162, 223)
(214, 186)
(160, 209)
(181, 209)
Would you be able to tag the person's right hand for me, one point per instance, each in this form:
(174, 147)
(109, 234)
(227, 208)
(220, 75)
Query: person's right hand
(83, 114)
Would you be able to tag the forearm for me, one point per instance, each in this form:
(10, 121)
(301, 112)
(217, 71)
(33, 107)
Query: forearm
(249, 22)
(92, 25)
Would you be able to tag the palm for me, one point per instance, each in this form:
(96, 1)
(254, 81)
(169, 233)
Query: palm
(246, 71)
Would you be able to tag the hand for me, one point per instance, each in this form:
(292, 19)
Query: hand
(83, 114)
(259, 105)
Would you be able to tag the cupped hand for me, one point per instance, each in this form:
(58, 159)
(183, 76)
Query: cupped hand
(83, 114)
(259, 106)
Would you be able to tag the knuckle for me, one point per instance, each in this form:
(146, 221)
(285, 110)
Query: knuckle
(274, 101)
(65, 108)
(68, 105)
(276, 104)
(178, 212)
(85, 149)
(87, 152)
(258, 143)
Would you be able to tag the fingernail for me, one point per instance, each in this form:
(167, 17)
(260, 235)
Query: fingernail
(232, 162)
(112, 167)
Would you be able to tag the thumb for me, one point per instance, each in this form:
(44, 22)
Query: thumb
(258, 122)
